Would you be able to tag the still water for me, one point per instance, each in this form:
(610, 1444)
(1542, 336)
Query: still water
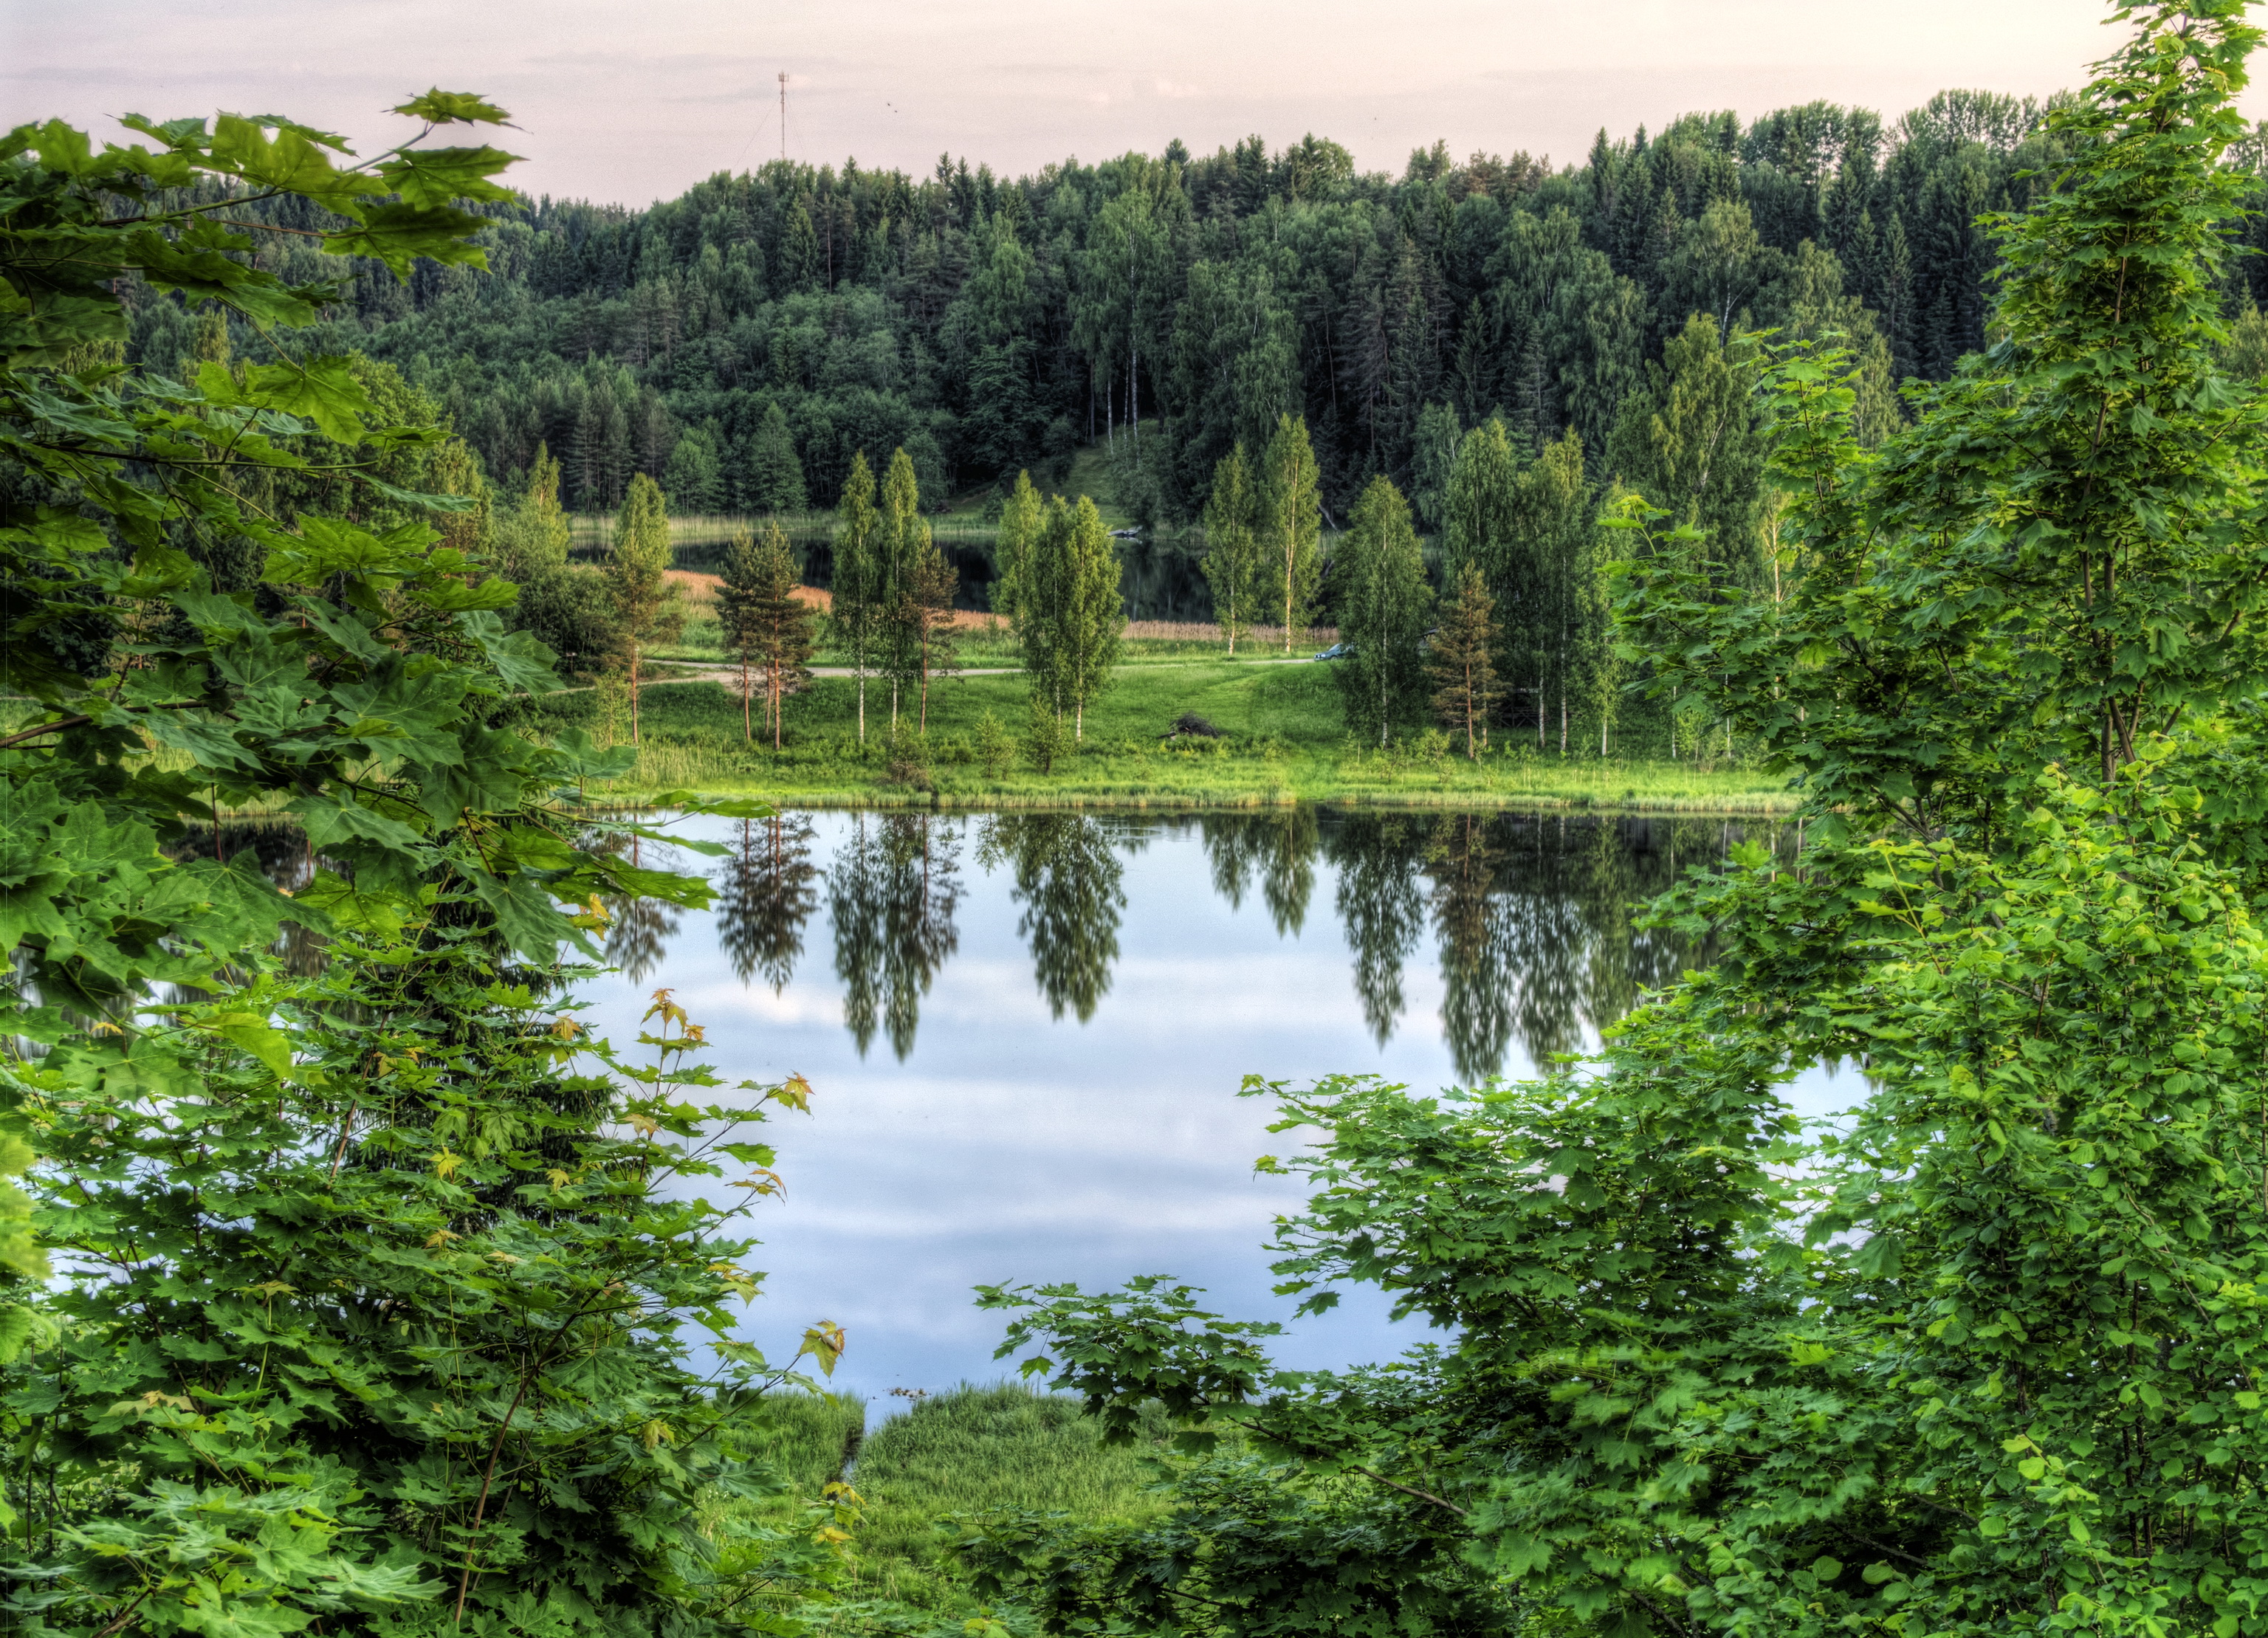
(1026, 1033)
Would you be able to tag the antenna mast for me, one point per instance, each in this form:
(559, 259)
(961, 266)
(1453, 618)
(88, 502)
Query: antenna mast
(783, 116)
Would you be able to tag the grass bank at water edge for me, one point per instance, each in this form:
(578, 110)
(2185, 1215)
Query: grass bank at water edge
(1282, 741)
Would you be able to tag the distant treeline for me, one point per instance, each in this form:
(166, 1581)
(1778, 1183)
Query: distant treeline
(739, 344)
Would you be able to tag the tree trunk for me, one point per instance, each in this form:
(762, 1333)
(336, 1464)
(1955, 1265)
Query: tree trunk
(747, 725)
(634, 694)
(779, 704)
(1563, 724)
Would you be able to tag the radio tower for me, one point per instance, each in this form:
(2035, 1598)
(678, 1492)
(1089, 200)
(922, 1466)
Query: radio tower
(783, 116)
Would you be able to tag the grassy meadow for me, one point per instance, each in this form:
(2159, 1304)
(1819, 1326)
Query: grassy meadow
(966, 1452)
(1283, 739)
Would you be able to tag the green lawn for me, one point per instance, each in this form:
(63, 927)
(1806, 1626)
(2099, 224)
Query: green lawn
(1284, 740)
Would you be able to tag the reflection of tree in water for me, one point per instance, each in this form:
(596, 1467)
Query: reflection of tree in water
(891, 896)
(1280, 848)
(639, 930)
(1067, 878)
(766, 896)
(1380, 908)
(1535, 918)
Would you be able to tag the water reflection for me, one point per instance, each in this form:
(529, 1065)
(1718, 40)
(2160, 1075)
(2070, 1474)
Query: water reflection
(765, 896)
(890, 895)
(1066, 876)
(1531, 918)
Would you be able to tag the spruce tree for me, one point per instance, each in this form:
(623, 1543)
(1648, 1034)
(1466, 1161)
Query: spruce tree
(1289, 515)
(1379, 574)
(774, 475)
(739, 591)
(780, 621)
(1231, 558)
(1460, 664)
(646, 609)
(854, 608)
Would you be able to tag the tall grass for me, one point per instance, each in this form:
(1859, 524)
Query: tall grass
(973, 1449)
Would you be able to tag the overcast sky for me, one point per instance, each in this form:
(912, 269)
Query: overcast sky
(630, 102)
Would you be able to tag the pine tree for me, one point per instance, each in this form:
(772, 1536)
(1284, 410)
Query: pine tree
(1231, 558)
(855, 603)
(646, 601)
(782, 623)
(740, 592)
(1461, 664)
(1378, 576)
(774, 475)
(1289, 518)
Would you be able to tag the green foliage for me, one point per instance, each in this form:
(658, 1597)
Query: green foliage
(1461, 663)
(1287, 522)
(1985, 1355)
(859, 593)
(1233, 558)
(337, 1234)
(1378, 585)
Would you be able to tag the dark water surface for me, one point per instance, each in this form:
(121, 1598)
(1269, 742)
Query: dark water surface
(1026, 1033)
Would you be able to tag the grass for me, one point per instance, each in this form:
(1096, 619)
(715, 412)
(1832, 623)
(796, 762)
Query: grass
(968, 1451)
(1283, 741)
(974, 1450)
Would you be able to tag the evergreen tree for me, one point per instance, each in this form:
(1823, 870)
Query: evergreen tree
(740, 594)
(646, 607)
(694, 476)
(1378, 584)
(1432, 457)
(855, 599)
(1691, 443)
(1460, 664)
(1232, 556)
(1288, 516)
(774, 475)
(780, 621)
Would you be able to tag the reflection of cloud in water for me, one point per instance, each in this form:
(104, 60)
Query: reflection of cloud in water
(1011, 1141)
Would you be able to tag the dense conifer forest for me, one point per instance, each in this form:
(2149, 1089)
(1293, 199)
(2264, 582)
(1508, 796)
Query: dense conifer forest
(741, 342)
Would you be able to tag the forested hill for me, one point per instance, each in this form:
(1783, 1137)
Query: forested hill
(741, 341)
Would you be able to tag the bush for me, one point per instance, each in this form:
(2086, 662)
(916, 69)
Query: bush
(1046, 736)
(994, 749)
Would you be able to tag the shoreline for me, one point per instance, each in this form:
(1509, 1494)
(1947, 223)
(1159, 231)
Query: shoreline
(1772, 805)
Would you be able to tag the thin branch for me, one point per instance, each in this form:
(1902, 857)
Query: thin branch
(1423, 1495)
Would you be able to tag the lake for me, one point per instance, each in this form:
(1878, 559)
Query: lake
(1026, 1033)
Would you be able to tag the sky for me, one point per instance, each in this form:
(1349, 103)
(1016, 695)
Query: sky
(625, 103)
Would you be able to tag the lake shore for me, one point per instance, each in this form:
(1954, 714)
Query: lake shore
(1279, 745)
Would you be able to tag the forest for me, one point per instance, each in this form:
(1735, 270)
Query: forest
(352, 1284)
(740, 344)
